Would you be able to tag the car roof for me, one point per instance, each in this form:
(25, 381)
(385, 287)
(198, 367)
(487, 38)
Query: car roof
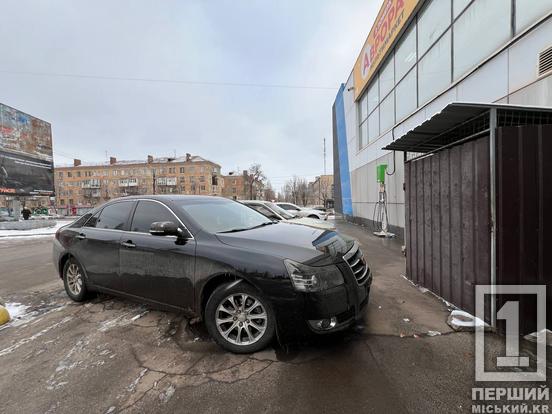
(171, 197)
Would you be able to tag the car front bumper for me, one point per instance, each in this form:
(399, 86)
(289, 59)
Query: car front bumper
(342, 305)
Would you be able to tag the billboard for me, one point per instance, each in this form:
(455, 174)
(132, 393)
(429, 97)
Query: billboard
(26, 161)
(391, 19)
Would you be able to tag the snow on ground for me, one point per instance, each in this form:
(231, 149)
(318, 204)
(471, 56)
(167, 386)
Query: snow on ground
(41, 232)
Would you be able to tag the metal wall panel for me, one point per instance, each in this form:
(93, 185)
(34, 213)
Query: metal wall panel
(448, 231)
(524, 223)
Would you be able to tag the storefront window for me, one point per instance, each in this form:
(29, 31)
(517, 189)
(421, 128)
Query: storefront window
(432, 22)
(405, 94)
(529, 11)
(405, 54)
(434, 70)
(373, 125)
(363, 107)
(458, 6)
(373, 95)
(481, 30)
(387, 113)
(387, 78)
(363, 135)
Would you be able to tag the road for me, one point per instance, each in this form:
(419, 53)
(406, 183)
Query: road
(110, 355)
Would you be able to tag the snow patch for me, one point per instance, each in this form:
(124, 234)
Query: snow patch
(546, 334)
(34, 233)
(463, 321)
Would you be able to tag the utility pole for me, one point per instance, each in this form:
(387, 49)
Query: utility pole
(324, 155)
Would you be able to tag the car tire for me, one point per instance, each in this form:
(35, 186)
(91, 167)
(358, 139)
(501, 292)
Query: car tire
(313, 216)
(74, 281)
(236, 327)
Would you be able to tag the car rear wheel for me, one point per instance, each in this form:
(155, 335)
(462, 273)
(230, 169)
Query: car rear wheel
(313, 216)
(73, 280)
(239, 318)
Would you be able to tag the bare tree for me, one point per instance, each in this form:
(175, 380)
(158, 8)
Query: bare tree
(269, 194)
(303, 191)
(255, 180)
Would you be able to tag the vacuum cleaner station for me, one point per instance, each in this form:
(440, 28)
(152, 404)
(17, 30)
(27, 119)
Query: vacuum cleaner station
(455, 125)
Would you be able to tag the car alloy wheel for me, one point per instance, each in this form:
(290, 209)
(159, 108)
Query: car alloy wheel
(74, 279)
(241, 319)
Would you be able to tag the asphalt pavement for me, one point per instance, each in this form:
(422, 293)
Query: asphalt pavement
(110, 355)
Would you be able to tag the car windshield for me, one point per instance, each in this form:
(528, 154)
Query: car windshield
(280, 211)
(223, 216)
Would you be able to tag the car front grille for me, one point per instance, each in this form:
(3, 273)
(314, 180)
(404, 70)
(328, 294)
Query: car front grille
(357, 264)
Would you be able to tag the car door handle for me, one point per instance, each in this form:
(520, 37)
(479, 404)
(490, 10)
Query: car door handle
(128, 244)
(81, 236)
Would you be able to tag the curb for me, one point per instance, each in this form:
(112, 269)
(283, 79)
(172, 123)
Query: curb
(4, 315)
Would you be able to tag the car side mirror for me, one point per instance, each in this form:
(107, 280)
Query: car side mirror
(168, 228)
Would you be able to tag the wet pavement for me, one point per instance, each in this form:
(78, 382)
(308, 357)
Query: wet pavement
(110, 355)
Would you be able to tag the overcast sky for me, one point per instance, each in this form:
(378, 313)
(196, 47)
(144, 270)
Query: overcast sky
(306, 43)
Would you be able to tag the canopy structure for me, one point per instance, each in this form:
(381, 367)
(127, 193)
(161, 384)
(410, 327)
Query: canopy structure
(460, 121)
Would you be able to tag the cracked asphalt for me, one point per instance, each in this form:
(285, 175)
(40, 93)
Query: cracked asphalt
(111, 356)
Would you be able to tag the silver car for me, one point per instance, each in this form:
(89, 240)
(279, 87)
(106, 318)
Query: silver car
(274, 212)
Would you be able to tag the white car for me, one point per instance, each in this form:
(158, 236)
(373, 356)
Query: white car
(272, 211)
(303, 212)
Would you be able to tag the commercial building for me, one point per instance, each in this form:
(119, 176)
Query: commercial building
(80, 186)
(420, 56)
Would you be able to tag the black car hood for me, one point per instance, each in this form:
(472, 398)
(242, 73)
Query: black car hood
(303, 244)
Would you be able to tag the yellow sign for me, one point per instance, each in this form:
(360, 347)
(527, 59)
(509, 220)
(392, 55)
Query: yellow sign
(392, 17)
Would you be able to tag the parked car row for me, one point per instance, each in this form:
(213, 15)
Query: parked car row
(248, 276)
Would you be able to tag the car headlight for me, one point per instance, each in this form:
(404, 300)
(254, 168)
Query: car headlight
(313, 279)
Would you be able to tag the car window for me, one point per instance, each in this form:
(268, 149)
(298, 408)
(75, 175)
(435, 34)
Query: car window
(263, 210)
(115, 216)
(80, 222)
(219, 215)
(289, 207)
(148, 212)
(92, 220)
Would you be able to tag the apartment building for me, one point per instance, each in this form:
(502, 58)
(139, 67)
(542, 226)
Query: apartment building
(322, 190)
(237, 187)
(80, 186)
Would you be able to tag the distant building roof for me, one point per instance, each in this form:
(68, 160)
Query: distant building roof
(155, 160)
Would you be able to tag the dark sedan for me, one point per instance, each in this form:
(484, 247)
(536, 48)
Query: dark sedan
(246, 276)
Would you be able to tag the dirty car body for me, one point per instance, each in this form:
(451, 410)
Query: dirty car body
(312, 280)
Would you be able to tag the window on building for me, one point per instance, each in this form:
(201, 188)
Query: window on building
(148, 212)
(363, 135)
(115, 216)
(405, 54)
(405, 96)
(387, 113)
(373, 95)
(62, 202)
(181, 170)
(387, 78)
(202, 179)
(60, 174)
(473, 38)
(373, 125)
(458, 7)
(202, 188)
(69, 174)
(71, 202)
(432, 23)
(78, 173)
(434, 70)
(529, 11)
(233, 190)
(363, 108)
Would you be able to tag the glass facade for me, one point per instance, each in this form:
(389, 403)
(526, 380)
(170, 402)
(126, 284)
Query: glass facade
(443, 42)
